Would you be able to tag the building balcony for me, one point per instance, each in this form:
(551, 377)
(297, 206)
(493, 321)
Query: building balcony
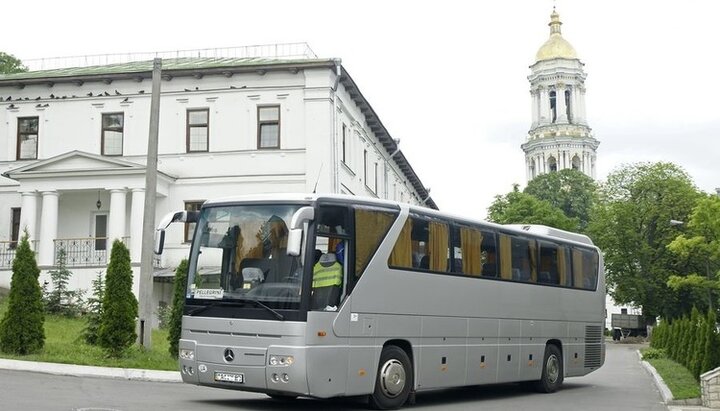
(84, 252)
(7, 252)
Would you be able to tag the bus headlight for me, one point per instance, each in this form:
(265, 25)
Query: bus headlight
(186, 354)
(281, 360)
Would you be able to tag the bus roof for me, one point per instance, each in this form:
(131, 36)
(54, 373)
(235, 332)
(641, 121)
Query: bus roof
(536, 229)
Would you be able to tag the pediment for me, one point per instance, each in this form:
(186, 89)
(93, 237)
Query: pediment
(75, 162)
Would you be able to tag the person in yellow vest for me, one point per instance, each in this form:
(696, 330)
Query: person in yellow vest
(327, 283)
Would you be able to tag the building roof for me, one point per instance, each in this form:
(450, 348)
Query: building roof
(556, 46)
(201, 66)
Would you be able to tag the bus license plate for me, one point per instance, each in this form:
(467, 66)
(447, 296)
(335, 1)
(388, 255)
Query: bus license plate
(230, 377)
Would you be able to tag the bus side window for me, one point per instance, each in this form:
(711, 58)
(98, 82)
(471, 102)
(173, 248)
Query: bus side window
(371, 226)
(548, 273)
(467, 249)
(585, 268)
(489, 254)
(523, 259)
(565, 266)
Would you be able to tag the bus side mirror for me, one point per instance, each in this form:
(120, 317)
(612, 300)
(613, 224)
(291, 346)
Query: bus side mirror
(159, 241)
(295, 235)
(173, 217)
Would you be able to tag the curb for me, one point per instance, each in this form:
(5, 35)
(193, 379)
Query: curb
(673, 405)
(90, 371)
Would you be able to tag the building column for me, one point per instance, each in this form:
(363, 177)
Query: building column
(116, 219)
(136, 223)
(28, 215)
(581, 100)
(560, 105)
(48, 228)
(544, 115)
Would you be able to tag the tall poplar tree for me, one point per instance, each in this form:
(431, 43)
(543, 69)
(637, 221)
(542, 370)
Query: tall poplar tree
(120, 307)
(22, 328)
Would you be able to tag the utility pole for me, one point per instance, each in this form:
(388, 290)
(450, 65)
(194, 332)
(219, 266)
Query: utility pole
(146, 258)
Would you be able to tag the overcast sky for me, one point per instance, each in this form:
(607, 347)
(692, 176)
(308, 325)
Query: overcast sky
(449, 78)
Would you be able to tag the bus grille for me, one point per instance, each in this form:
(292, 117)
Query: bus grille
(593, 346)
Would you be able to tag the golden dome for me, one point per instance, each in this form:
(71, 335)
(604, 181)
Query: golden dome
(556, 46)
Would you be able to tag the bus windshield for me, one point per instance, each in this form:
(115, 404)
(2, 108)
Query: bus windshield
(239, 252)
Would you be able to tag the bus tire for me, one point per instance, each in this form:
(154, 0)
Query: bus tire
(552, 371)
(393, 381)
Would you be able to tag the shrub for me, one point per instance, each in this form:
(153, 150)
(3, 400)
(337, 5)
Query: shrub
(120, 307)
(61, 300)
(94, 307)
(178, 304)
(654, 353)
(21, 329)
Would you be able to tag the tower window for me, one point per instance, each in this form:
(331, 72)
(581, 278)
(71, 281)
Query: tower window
(553, 106)
(567, 106)
(552, 164)
(576, 162)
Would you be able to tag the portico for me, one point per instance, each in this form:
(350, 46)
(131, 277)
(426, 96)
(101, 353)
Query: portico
(97, 199)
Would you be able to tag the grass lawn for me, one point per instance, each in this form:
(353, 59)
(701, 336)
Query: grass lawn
(678, 379)
(64, 344)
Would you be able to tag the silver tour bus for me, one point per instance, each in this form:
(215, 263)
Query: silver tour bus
(328, 295)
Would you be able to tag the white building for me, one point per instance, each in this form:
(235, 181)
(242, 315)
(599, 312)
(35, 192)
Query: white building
(73, 144)
(559, 136)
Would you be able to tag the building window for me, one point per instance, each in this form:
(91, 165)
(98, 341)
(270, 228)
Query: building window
(197, 130)
(112, 134)
(27, 138)
(269, 127)
(375, 180)
(14, 227)
(190, 227)
(365, 167)
(344, 144)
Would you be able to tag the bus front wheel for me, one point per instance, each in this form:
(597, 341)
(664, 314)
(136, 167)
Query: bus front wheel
(552, 371)
(394, 379)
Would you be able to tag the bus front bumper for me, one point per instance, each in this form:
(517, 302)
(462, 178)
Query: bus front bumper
(277, 369)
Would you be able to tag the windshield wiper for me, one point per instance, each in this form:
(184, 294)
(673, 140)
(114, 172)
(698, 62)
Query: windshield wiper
(238, 303)
(214, 304)
(272, 311)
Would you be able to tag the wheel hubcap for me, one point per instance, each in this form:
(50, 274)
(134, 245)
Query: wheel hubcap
(552, 368)
(392, 378)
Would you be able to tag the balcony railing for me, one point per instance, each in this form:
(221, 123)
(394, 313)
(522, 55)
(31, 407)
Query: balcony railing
(7, 252)
(81, 252)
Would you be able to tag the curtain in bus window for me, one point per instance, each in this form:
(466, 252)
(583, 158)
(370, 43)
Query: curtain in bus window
(532, 258)
(562, 266)
(505, 257)
(438, 246)
(370, 228)
(249, 243)
(577, 268)
(470, 241)
(401, 255)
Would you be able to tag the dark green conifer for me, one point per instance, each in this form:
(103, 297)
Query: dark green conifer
(120, 307)
(22, 328)
(178, 304)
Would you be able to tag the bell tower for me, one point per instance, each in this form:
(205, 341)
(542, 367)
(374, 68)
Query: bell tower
(559, 137)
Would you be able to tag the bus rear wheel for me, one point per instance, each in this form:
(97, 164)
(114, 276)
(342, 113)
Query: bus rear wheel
(552, 371)
(393, 381)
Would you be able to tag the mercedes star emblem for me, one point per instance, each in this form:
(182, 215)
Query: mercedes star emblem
(229, 355)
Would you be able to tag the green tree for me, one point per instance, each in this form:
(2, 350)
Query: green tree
(22, 328)
(94, 305)
(631, 224)
(120, 307)
(699, 252)
(178, 304)
(62, 300)
(569, 190)
(10, 64)
(712, 344)
(519, 208)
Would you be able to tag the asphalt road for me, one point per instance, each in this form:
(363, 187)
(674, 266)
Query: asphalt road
(621, 384)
